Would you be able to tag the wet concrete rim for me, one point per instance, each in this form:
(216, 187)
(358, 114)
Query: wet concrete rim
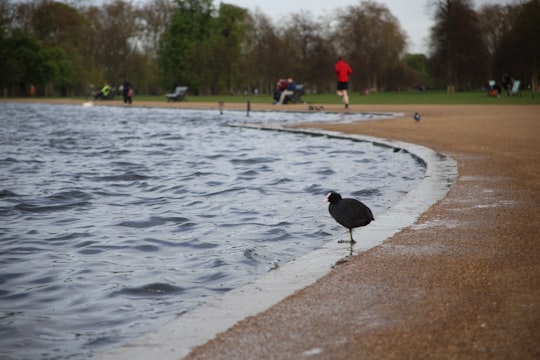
(176, 339)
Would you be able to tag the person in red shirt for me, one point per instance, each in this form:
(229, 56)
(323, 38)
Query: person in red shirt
(343, 70)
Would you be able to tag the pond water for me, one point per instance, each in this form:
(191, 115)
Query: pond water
(114, 221)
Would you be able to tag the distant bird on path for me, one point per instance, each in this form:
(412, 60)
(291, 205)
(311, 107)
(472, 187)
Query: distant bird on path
(350, 213)
(417, 116)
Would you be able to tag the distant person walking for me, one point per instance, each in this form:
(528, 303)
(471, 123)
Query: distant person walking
(127, 91)
(343, 70)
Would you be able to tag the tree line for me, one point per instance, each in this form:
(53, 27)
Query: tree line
(69, 48)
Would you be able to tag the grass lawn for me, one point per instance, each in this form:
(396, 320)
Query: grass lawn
(426, 97)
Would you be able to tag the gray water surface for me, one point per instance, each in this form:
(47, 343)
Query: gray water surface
(116, 220)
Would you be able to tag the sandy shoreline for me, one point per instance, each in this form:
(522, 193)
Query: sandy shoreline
(464, 282)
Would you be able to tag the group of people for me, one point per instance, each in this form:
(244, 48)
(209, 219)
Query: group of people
(286, 87)
(507, 83)
(106, 91)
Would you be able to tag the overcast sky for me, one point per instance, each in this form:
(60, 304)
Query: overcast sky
(414, 15)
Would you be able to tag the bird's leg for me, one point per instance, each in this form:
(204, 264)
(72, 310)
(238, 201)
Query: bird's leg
(352, 240)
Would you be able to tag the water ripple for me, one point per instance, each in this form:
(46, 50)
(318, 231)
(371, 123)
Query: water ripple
(153, 289)
(128, 176)
(36, 208)
(115, 220)
(153, 221)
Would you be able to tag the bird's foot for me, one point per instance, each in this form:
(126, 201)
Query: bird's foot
(346, 242)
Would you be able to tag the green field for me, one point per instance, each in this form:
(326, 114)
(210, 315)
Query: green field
(426, 97)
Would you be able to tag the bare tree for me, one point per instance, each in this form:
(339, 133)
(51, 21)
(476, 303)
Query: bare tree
(311, 55)
(372, 39)
(458, 51)
(153, 18)
(161, 43)
(494, 23)
(518, 52)
(267, 53)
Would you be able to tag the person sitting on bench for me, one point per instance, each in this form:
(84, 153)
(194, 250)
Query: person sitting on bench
(281, 85)
(289, 90)
(103, 93)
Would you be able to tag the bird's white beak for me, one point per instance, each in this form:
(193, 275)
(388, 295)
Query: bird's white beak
(327, 196)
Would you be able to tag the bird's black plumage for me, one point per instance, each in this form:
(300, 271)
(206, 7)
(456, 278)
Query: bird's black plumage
(349, 213)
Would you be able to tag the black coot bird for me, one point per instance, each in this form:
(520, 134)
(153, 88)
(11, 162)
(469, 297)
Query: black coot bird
(350, 213)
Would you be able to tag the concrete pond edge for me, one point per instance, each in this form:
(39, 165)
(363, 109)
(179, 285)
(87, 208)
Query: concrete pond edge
(177, 338)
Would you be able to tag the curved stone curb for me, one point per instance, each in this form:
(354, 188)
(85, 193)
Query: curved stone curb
(177, 338)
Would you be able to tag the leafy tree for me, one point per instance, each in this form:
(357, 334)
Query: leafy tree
(61, 26)
(25, 61)
(419, 64)
(458, 52)
(55, 23)
(223, 54)
(62, 71)
(183, 45)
